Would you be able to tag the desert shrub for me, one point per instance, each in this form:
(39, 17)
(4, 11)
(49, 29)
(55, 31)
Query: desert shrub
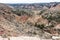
(41, 12)
(52, 16)
(22, 12)
(39, 26)
(50, 26)
(29, 32)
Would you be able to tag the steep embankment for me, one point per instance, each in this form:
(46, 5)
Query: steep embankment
(14, 25)
(17, 23)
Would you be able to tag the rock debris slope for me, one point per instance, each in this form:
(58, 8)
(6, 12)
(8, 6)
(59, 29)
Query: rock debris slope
(29, 23)
(14, 25)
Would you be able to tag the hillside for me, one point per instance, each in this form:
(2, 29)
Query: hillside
(44, 22)
(13, 25)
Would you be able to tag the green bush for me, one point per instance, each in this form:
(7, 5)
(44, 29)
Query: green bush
(22, 12)
(39, 26)
(55, 16)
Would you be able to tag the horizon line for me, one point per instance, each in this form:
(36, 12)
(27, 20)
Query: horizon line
(29, 3)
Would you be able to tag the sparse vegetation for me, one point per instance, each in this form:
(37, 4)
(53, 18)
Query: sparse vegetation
(29, 21)
(39, 26)
(22, 12)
